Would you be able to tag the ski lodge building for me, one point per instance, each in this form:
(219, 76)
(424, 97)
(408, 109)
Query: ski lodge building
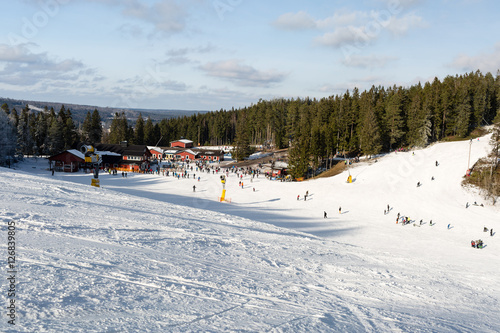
(136, 158)
(182, 143)
(68, 161)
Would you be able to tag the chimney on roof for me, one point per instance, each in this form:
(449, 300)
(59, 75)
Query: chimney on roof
(124, 144)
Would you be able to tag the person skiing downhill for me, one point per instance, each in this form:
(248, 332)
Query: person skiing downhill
(340, 210)
(324, 215)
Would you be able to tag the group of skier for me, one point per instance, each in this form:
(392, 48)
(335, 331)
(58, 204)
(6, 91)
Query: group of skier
(478, 244)
(325, 215)
(404, 220)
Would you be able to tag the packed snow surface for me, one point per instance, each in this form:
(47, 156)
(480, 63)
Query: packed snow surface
(146, 253)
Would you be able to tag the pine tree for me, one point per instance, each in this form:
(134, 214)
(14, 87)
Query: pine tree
(24, 139)
(5, 107)
(369, 134)
(298, 158)
(69, 128)
(139, 131)
(393, 118)
(119, 130)
(149, 135)
(55, 136)
(87, 128)
(14, 117)
(95, 134)
(40, 133)
(242, 141)
(7, 139)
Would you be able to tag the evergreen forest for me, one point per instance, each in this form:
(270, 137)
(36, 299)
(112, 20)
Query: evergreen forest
(355, 123)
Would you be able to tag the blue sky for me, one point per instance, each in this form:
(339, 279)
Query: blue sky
(208, 55)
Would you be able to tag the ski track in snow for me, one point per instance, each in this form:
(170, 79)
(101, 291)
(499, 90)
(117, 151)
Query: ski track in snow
(147, 254)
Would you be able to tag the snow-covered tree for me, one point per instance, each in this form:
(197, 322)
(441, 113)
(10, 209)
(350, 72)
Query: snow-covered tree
(7, 138)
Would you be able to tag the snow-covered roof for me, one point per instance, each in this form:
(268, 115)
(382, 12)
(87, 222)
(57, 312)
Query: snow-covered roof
(106, 153)
(189, 151)
(183, 141)
(210, 152)
(77, 153)
(171, 151)
(156, 148)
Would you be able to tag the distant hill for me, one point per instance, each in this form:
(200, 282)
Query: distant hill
(80, 111)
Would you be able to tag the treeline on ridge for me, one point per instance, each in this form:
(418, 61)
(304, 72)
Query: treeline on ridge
(368, 122)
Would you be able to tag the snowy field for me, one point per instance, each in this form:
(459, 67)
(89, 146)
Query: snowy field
(147, 254)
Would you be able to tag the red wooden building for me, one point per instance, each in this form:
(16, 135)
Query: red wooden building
(156, 152)
(182, 143)
(211, 155)
(67, 161)
(187, 154)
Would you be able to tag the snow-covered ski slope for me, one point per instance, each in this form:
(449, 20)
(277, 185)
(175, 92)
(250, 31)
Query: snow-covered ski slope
(147, 254)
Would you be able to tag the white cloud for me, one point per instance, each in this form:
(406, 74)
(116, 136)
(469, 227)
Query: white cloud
(23, 67)
(400, 26)
(402, 4)
(342, 18)
(181, 56)
(346, 35)
(18, 53)
(295, 21)
(166, 15)
(303, 20)
(486, 62)
(355, 28)
(369, 61)
(243, 75)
